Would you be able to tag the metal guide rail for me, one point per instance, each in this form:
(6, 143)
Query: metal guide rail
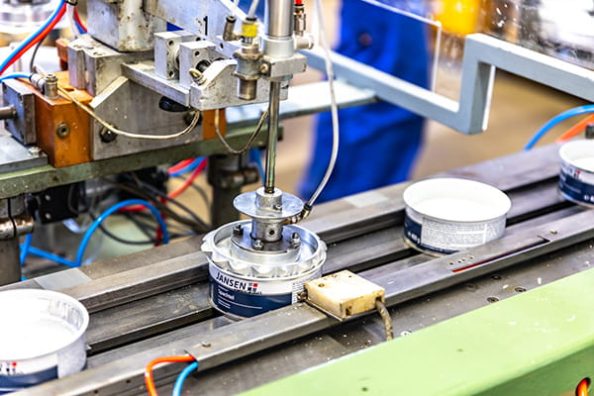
(155, 303)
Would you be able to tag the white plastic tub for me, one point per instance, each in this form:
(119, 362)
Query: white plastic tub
(42, 337)
(448, 215)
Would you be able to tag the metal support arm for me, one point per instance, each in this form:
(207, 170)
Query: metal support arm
(483, 54)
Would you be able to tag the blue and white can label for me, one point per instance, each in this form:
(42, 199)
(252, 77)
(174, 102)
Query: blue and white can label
(445, 237)
(245, 298)
(576, 184)
(18, 375)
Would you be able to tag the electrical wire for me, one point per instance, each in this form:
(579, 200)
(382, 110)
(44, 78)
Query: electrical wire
(179, 166)
(71, 20)
(34, 56)
(138, 192)
(253, 9)
(386, 319)
(555, 121)
(333, 108)
(201, 225)
(576, 129)
(251, 139)
(188, 182)
(189, 168)
(149, 378)
(79, 23)
(183, 376)
(130, 135)
(39, 35)
(114, 209)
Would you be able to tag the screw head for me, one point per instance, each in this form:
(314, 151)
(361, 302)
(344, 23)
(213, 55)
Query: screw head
(63, 130)
(295, 240)
(258, 244)
(238, 230)
(34, 151)
(107, 136)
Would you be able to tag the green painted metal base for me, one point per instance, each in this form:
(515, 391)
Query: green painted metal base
(538, 343)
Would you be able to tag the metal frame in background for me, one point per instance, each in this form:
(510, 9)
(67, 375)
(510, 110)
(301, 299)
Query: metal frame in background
(482, 56)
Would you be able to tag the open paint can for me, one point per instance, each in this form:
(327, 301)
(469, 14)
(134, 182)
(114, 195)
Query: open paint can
(448, 215)
(577, 172)
(42, 337)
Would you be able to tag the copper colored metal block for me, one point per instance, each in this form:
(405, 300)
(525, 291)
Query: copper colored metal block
(63, 129)
(208, 124)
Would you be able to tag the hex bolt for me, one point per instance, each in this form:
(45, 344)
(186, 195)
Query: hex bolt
(50, 88)
(63, 130)
(258, 244)
(238, 230)
(295, 240)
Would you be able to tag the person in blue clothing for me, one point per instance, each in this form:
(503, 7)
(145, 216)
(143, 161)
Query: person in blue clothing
(379, 142)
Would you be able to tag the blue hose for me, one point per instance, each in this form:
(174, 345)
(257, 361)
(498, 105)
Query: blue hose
(114, 209)
(190, 168)
(183, 376)
(556, 120)
(15, 75)
(51, 257)
(25, 248)
(33, 35)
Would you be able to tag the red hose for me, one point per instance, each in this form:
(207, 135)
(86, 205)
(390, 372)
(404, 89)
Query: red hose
(149, 379)
(37, 39)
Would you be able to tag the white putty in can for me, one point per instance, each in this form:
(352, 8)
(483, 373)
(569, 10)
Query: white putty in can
(448, 215)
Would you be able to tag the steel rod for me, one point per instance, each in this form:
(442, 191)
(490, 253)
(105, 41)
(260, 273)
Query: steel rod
(273, 124)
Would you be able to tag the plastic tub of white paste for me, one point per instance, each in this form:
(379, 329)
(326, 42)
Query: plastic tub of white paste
(42, 337)
(577, 172)
(445, 216)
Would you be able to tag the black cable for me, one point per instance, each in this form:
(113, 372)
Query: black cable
(118, 239)
(34, 55)
(134, 191)
(175, 202)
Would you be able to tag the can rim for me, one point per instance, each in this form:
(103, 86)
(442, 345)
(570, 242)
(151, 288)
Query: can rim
(568, 155)
(35, 293)
(502, 202)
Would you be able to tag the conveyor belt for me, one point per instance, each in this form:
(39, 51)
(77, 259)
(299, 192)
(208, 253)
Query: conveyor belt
(143, 308)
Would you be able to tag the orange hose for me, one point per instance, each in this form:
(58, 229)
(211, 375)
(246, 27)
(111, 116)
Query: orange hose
(149, 379)
(582, 388)
(576, 129)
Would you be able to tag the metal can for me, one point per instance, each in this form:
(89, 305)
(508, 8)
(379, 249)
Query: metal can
(576, 181)
(449, 215)
(42, 337)
(245, 283)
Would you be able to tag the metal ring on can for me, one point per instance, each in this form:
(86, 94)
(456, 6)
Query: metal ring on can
(576, 181)
(448, 215)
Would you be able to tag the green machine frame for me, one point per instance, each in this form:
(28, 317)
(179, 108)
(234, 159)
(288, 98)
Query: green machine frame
(537, 343)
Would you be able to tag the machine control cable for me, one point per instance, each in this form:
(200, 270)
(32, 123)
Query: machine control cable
(130, 135)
